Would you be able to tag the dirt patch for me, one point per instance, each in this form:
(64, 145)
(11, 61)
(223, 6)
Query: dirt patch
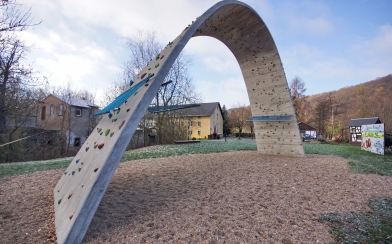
(221, 197)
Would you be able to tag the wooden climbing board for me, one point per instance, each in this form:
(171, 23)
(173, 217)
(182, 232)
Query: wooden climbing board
(80, 189)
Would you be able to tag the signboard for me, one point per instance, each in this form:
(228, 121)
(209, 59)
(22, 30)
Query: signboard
(373, 138)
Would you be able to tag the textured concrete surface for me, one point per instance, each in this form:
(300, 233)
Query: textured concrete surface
(80, 190)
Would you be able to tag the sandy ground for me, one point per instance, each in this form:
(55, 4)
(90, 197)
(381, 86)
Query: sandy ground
(234, 197)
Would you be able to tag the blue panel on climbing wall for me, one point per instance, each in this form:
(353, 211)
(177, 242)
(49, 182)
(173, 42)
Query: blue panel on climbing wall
(277, 118)
(122, 98)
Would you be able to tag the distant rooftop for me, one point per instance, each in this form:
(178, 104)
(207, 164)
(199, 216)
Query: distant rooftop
(364, 121)
(76, 101)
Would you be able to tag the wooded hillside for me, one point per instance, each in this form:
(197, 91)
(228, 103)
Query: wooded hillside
(330, 112)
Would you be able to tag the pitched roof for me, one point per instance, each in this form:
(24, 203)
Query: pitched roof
(201, 109)
(364, 121)
(76, 101)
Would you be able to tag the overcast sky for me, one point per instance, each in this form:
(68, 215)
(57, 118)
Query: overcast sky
(328, 44)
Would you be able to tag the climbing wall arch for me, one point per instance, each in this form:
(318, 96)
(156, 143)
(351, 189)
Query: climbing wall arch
(83, 184)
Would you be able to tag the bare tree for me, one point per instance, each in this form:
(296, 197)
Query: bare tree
(297, 90)
(238, 118)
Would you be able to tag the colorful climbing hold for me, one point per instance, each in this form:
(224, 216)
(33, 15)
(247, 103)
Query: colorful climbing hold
(99, 129)
(111, 134)
(65, 172)
(96, 169)
(110, 115)
(101, 133)
(70, 217)
(95, 146)
(79, 169)
(121, 125)
(107, 132)
(143, 75)
(136, 93)
(59, 201)
(69, 196)
(73, 172)
(128, 109)
(101, 145)
(77, 161)
(146, 84)
(157, 57)
(162, 56)
(156, 66)
(87, 149)
(118, 111)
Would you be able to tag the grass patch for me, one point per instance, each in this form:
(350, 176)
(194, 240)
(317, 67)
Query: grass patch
(363, 227)
(360, 161)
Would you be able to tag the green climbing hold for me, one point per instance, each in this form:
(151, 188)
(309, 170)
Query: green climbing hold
(79, 169)
(135, 93)
(156, 66)
(157, 57)
(81, 163)
(149, 68)
(59, 201)
(107, 132)
(117, 111)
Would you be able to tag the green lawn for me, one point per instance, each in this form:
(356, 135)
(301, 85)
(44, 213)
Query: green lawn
(360, 161)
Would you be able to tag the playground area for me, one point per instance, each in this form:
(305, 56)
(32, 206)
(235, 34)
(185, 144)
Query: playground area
(238, 196)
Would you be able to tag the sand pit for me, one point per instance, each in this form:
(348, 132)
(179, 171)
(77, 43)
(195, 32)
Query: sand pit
(214, 198)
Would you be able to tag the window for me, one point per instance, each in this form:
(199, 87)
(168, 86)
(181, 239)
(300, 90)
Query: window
(60, 110)
(199, 124)
(78, 112)
(43, 112)
(199, 133)
(190, 132)
(198, 117)
(51, 115)
(77, 142)
(190, 123)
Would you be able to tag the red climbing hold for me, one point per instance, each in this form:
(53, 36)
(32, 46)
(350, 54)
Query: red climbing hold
(121, 125)
(162, 56)
(100, 146)
(128, 109)
(143, 75)
(146, 84)
(96, 169)
(70, 217)
(70, 195)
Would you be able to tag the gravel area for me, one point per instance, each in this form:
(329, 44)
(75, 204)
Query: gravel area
(232, 197)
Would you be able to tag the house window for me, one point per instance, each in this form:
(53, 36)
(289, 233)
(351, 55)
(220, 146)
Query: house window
(51, 116)
(199, 124)
(198, 117)
(190, 132)
(190, 123)
(199, 133)
(43, 112)
(78, 112)
(77, 142)
(60, 110)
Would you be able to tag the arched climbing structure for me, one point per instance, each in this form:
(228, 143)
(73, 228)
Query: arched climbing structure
(80, 190)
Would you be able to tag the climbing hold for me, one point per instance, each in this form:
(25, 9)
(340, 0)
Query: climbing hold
(70, 217)
(81, 163)
(65, 172)
(146, 84)
(162, 56)
(157, 57)
(111, 134)
(128, 109)
(121, 125)
(69, 196)
(79, 169)
(118, 111)
(156, 66)
(110, 115)
(143, 75)
(95, 146)
(87, 149)
(149, 68)
(100, 146)
(59, 201)
(96, 169)
(107, 132)
(77, 161)
(135, 93)
(73, 172)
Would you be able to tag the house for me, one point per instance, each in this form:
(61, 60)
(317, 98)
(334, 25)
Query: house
(204, 120)
(69, 115)
(355, 126)
(307, 131)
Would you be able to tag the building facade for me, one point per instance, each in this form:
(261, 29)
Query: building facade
(71, 116)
